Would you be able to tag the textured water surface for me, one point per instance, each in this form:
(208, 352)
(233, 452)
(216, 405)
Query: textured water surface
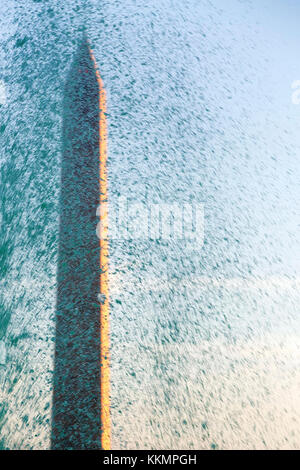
(204, 339)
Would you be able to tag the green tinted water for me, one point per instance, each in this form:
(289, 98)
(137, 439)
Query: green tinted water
(205, 340)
